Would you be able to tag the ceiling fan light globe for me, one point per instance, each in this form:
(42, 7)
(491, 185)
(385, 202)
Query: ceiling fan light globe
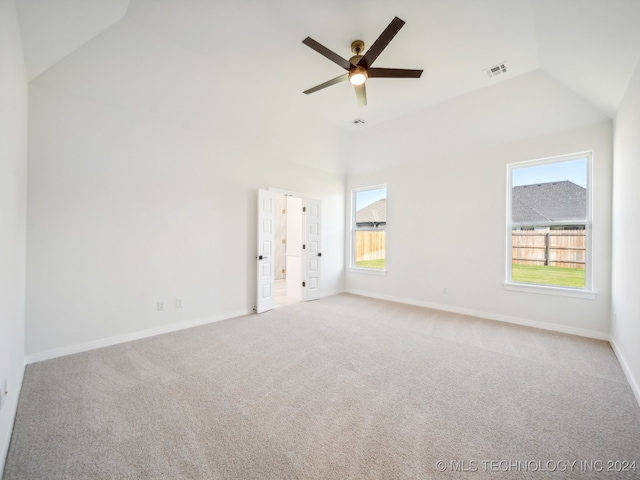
(358, 79)
(358, 76)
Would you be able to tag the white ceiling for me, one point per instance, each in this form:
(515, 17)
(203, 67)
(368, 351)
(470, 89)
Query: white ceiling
(188, 59)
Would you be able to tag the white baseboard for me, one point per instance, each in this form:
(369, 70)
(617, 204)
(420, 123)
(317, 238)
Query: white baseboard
(489, 316)
(627, 371)
(106, 342)
(12, 405)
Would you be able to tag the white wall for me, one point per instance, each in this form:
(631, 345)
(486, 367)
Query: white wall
(446, 228)
(625, 328)
(13, 193)
(126, 209)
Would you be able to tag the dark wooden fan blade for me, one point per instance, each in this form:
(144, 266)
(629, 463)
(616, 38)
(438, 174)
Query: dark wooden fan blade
(393, 73)
(383, 40)
(361, 95)
(339, 79)
(324, 51)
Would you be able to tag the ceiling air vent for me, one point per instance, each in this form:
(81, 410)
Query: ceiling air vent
(496, 70)
(359, 121)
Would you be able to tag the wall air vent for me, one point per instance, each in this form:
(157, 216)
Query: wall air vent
(496, 70)
(359, 121)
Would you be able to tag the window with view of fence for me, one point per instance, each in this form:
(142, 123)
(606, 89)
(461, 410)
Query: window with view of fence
(559, 248)
(369, 228)
(549, 224)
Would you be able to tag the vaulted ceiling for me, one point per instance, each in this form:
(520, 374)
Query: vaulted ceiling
(568, 62)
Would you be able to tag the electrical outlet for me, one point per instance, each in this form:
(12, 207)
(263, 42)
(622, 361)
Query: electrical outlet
(179, 302)
(160, 306)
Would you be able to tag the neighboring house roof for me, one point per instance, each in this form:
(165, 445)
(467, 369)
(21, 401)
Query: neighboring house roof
(376, 213)
(553, 201)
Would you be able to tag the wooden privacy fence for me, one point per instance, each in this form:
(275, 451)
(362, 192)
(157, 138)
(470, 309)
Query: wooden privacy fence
(369, 245)
(560, 248)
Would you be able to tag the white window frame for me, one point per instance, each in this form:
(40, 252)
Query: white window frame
(588, 290)
(354, 229)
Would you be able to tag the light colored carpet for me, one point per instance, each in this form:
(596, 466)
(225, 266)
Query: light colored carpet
(340, 388)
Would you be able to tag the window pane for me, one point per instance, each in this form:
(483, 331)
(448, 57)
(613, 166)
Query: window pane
(371, 207)
(547, 256)
(553, 192)
(370, 246)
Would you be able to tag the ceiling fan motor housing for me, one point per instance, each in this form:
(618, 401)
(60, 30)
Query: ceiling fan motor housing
(357, 47)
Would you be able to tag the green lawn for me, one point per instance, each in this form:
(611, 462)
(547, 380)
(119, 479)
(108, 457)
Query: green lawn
(378, 263)
(559, 276)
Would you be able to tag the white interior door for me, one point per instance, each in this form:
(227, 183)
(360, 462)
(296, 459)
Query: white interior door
(312, 252)
(265, 251)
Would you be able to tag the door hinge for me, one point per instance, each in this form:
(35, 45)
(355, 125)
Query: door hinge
(304, 284)
(304, 246)
(304, 209)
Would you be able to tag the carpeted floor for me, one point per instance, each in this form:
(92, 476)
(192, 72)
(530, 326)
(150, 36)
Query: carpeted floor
(341, 388)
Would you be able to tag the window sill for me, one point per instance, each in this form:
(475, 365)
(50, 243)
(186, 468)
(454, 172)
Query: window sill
(368, 271)
(549, 290)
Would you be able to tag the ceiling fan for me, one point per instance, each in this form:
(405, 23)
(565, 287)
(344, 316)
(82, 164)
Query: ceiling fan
(359, 66)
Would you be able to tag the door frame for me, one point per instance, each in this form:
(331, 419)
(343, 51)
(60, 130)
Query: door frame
(305, 198)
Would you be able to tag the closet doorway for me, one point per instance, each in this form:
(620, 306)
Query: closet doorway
(288, 239)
